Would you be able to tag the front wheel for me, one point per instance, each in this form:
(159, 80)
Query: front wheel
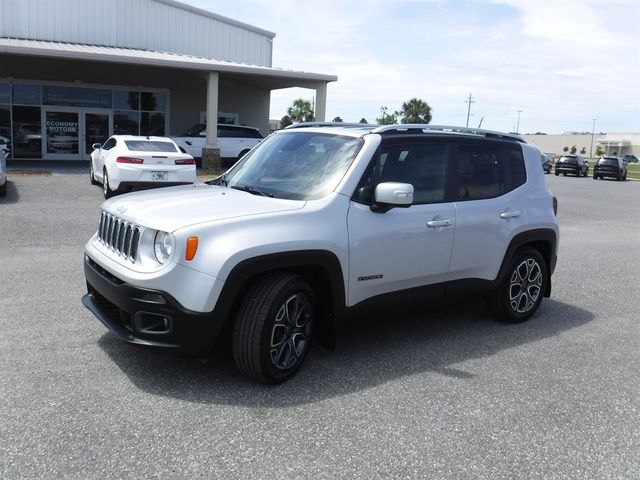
(520, 293)
(273, 327)
(92, 175)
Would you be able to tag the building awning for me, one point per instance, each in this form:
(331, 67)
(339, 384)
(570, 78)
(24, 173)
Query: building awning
(274, 78)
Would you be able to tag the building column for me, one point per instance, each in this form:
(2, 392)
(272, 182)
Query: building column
(321, 102)
(211, 151)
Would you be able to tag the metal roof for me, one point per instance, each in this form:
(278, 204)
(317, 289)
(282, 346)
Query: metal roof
(99, 53)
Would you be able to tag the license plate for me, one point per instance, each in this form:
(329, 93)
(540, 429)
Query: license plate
(158, 175)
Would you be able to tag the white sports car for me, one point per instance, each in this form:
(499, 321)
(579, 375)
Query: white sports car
(125, 163)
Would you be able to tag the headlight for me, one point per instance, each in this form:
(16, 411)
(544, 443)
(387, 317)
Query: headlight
(164, 246)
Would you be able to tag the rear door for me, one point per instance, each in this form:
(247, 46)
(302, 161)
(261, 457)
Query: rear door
(489, 207)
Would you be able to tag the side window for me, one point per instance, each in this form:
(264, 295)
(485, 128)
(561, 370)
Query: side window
(422, 165)
(482, 172)
(517, 169)
(109, 144)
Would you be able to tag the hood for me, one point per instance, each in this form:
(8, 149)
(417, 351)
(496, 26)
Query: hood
(172, 208)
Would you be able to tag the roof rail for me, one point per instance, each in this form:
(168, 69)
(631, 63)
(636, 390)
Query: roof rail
(423, 128)
(331, 124)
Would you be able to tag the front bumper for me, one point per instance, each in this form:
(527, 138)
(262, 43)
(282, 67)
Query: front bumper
(147, 317)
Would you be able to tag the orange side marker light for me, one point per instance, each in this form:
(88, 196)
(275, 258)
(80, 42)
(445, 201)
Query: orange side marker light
(192, 247)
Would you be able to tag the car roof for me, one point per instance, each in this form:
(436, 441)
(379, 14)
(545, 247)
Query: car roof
(361, 129)
(142, 138)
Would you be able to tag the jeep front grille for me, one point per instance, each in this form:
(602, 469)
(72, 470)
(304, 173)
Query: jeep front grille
(119, 235)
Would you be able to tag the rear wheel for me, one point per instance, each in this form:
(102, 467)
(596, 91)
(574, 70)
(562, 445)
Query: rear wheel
(273, 327)
(557, 173)
(520, 293)
(108, 193)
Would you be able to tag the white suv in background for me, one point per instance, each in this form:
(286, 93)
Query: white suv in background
(234, 141)
(316, 221)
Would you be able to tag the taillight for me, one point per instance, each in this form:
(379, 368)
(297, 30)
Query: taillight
(555, 206)
(185, 161)
(129, 160)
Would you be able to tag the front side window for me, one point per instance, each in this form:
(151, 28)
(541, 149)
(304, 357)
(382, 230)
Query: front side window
(422, 165)
(109, 144)
(295, 165)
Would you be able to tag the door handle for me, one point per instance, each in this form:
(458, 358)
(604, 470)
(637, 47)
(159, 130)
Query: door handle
(509, 214)
(445, 222)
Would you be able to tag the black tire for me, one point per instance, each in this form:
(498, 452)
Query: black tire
(108, 193)
(242, 154)
(92, 177)
(624, 177)
(273, 327)
(586, 173)
(3, 189)
(557, 173)
(595, 177)
(510, 302)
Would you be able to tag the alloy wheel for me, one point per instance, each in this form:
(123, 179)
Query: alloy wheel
(291, 331)
(525, 286)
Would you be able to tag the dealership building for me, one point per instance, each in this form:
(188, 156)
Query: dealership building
(74, 72)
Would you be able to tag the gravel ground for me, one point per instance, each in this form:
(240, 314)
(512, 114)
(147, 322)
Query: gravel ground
(448, 393)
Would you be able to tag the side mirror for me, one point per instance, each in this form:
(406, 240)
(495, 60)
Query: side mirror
(96, 146)
(389, 195)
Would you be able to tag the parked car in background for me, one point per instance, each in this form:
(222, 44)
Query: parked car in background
(3, 171)
(547, 162)
(614, 167)
(630, 159)
(233, 140)
(574, 164)
(125, 163)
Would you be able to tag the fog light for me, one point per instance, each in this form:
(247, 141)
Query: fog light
(153, 298)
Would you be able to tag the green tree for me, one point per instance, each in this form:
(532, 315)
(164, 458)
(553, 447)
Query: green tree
(416, 111)
(285, 121)
(363, 120)
(583, 150)
(300, 111)
(565, 149)
(337, 119)
(573, 150)
(387, 118)
(599, 151)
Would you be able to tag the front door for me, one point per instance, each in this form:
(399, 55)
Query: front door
(97, 127)
(61, 135)
(70, 132)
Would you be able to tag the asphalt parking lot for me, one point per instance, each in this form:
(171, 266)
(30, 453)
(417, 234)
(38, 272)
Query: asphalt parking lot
(448, 393)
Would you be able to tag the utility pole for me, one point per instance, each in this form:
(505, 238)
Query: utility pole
(593, 130)
(518, 124)
(470, 101)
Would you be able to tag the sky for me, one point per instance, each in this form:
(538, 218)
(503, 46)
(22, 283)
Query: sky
(561, 63)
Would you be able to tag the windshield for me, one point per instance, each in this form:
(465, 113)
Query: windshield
(295, 165)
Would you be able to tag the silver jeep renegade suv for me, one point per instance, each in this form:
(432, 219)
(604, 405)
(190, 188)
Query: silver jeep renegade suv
(315, 221)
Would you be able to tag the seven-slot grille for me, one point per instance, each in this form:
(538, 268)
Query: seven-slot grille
(119, 235)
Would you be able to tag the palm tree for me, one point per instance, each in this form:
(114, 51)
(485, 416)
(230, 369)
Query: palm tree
(416, 111)
(300, 111)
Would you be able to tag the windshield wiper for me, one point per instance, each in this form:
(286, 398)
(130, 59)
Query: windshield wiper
(221, 180)
(252, 190)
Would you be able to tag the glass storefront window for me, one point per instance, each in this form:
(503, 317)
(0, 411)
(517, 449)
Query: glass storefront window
(4, 92)
(126, 100)
(26, 95)
(77, 97)
(152, 124)
(5, 128)
(152, 102)
(62, 132)
(126, 123)
(27, 132)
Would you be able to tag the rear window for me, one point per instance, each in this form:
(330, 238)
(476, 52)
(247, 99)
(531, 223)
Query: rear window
(568, 160)
(231, 132)
(150, 146)
(608, 161)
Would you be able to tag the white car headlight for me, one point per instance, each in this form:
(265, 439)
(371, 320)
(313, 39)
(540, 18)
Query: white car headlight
(164, 246)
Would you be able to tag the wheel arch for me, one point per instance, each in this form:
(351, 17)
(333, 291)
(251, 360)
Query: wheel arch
(543, 240)
(320, 268)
